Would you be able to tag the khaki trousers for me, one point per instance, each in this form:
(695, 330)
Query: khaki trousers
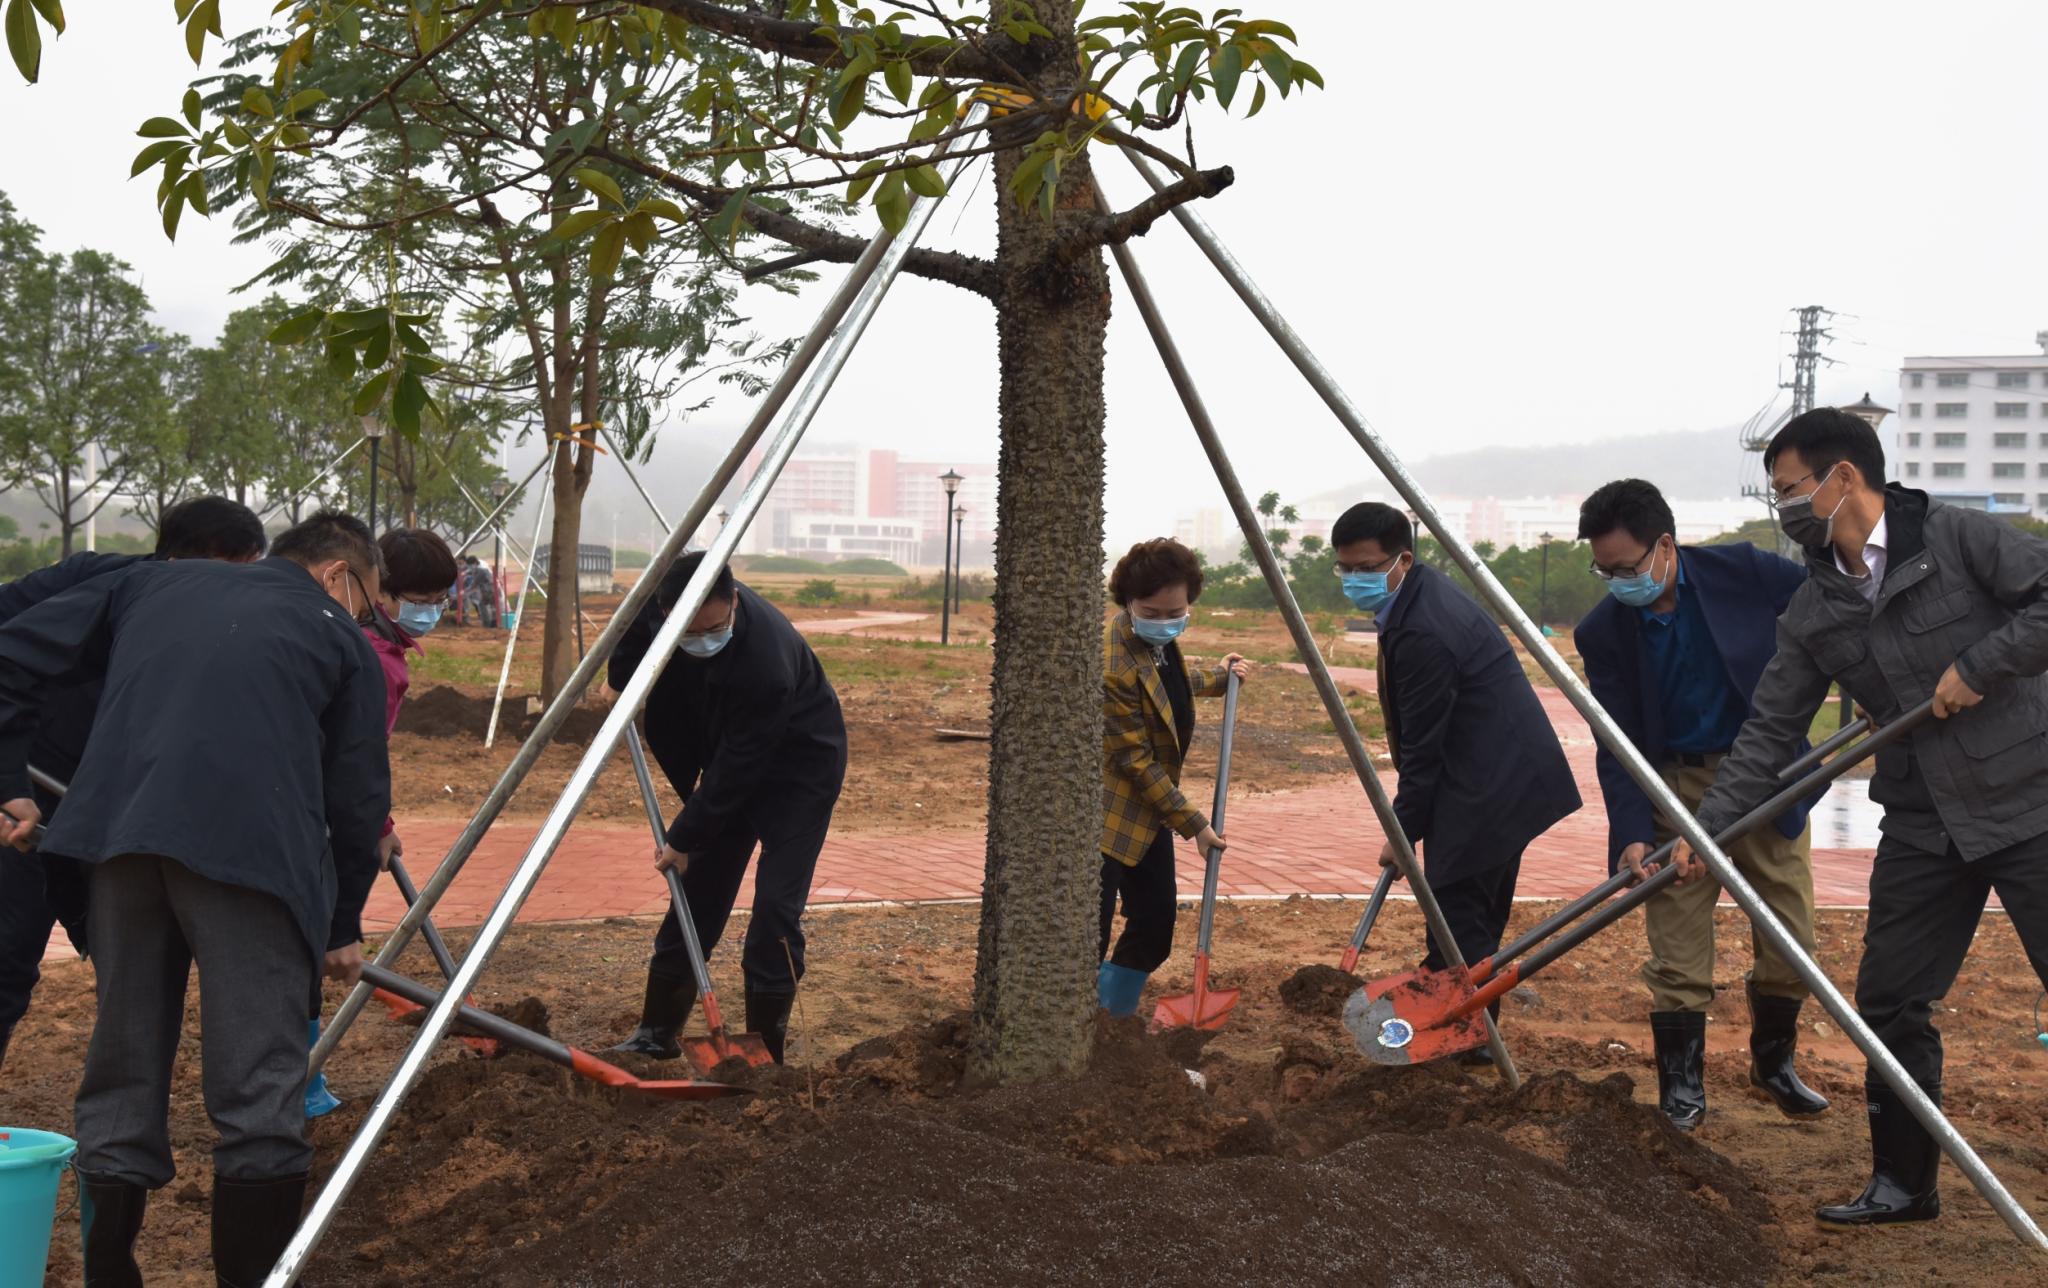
(1680, 920)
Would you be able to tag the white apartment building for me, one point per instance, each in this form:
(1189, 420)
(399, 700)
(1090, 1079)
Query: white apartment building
(829, 538)
(1974, 431)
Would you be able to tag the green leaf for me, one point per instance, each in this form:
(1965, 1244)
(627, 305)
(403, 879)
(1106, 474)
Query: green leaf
(174, 205)
(304, 99)
(53, 13)
(24, 39)
(154, 153)
(341, 357)
(258, 103)
(600, 184)
(348, 24)
(299, 328)
(1268, 27)
(731, 217)
(195, 192)
(1258, 99)
(370, 394)
(667, 209)
(192, 107)
(1279, 68)
(606, 250)
(407, 401)
(184, 8)
(864, 179)
(580, 223)
(1184, 66)
(926, 181)
(377, 353)
(160, 127)
(1224, 69)
(892, 202)
(848, 102)
(897, 74)
(205, 17)
(640, 230)
(235, 134)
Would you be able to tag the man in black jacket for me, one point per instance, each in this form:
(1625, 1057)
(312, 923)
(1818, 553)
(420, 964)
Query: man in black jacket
(228, 803)
(747, 729)
(1482, 772)
(38, 891)
(1908, 600)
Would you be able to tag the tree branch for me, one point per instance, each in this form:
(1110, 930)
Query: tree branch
(1114, 230)
(801, 41)
(967, 272)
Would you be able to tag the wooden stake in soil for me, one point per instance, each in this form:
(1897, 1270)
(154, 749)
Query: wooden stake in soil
(797, 1000)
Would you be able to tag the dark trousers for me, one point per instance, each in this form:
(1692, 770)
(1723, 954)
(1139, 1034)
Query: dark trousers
(1477, 908)
(1924, 909)
(782, 885)
(1149, 892)
(152, 918)
(37, 892)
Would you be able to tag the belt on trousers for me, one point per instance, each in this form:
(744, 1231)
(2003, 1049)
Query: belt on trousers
(1698, 759)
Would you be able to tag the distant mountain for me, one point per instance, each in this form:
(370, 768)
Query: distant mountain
(1689, 465)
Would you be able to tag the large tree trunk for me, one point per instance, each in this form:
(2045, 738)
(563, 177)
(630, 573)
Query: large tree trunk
(569, 475)
(1034, 977)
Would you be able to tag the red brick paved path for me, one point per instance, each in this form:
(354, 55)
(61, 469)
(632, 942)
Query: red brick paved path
(1319, 841)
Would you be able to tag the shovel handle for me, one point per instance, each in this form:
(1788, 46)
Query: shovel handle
(1365, 921)
(1814, 755)
(676, 899)
(495, 1026)
(435, 944)
(1213, 870)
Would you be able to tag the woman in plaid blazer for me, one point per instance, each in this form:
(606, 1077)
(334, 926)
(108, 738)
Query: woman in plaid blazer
(1148, 720)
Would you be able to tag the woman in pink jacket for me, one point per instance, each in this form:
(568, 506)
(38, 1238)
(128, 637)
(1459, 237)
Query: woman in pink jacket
(418, 569)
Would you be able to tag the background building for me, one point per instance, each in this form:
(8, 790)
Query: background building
(1974, 431)
(838, 501)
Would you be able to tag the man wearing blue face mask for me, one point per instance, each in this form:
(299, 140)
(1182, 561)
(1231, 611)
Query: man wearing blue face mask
(1482, 772)
(1674, 654)
(749, 732)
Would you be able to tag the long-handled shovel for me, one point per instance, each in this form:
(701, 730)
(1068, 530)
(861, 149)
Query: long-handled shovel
(486, 1047)
(1425, 1015)
(719, 1045)
(583, 1063)
(1365, 922)
(1207, 1008)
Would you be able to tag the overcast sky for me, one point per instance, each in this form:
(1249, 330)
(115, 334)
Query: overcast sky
(1503, 223)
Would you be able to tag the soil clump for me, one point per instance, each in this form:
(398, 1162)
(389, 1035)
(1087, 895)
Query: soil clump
(443, 711)
(1319, 990)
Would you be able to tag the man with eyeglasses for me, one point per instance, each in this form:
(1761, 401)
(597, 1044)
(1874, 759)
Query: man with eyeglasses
(1674, 653)
(749, 733)
(1482, 772)
(1909, 600)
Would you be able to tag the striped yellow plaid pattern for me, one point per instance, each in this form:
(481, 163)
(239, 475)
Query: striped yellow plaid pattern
(1140, 747)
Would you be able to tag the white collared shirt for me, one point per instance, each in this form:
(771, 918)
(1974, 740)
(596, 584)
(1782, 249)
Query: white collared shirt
(1874, 556)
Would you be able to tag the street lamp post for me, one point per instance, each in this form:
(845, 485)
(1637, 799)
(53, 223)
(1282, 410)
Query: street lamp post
(959, 552)
(951, 482)
(1543, 596)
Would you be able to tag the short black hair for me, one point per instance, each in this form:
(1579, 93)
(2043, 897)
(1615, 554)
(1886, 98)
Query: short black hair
(1376, 522)
(1151, 566)
(1827, 436)
(677, 580)
(328, 535)
(209, 527)
(416, 562)
(1632, 505)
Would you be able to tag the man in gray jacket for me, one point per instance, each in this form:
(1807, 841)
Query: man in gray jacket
(1908, 599)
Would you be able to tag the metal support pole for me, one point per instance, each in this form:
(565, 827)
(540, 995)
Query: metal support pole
(620, 453)
(887, 254)
(498, 532)
(1297, 625)
(318, 479)
(540, 519)
(491, 521)
(1610, 735)
(959, 554)
(946, 577)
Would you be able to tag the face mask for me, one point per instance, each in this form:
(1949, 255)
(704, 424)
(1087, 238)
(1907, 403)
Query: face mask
(1367, 591)
(418, 619)
(708, 644)
(1639, 591)
(1159, 632)
(1802, 526)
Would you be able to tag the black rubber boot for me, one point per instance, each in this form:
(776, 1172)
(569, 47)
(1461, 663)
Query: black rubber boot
(768, 1015)
(1681, 1065)
(662, 1014)
(253, 1222)
(1773, 1037)
(1904, 1161)
(109, 1218)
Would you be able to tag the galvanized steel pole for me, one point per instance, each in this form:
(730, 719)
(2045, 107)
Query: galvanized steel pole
(1610, 734)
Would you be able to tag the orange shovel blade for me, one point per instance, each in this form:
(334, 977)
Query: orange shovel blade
(1205, 1011)
(1404, 1019)
(715, 1048)
(611, 1075)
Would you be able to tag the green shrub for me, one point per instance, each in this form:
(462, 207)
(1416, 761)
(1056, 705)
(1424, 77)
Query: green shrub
(817, 593)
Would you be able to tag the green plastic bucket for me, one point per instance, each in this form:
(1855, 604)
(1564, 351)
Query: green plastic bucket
(31, 1164)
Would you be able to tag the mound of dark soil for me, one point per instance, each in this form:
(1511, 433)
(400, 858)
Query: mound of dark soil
(1319, 990)
(444, 711)
(887, 1167)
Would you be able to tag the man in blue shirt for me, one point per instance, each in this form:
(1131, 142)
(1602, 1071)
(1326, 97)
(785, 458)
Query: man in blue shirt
(1674, 653)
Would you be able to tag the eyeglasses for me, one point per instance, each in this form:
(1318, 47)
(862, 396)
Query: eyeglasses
(1783, 495)
(1631, 569)
(1384, 564)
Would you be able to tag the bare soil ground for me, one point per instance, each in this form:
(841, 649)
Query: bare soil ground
(870, 1161)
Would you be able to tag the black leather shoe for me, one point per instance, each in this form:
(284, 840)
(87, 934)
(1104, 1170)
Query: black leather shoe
(768, 1015)
(110, 1216)
(662, 1013)
(1904, 1162)
(1773, 1037)
(1681, 1038)
(253, 1222)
